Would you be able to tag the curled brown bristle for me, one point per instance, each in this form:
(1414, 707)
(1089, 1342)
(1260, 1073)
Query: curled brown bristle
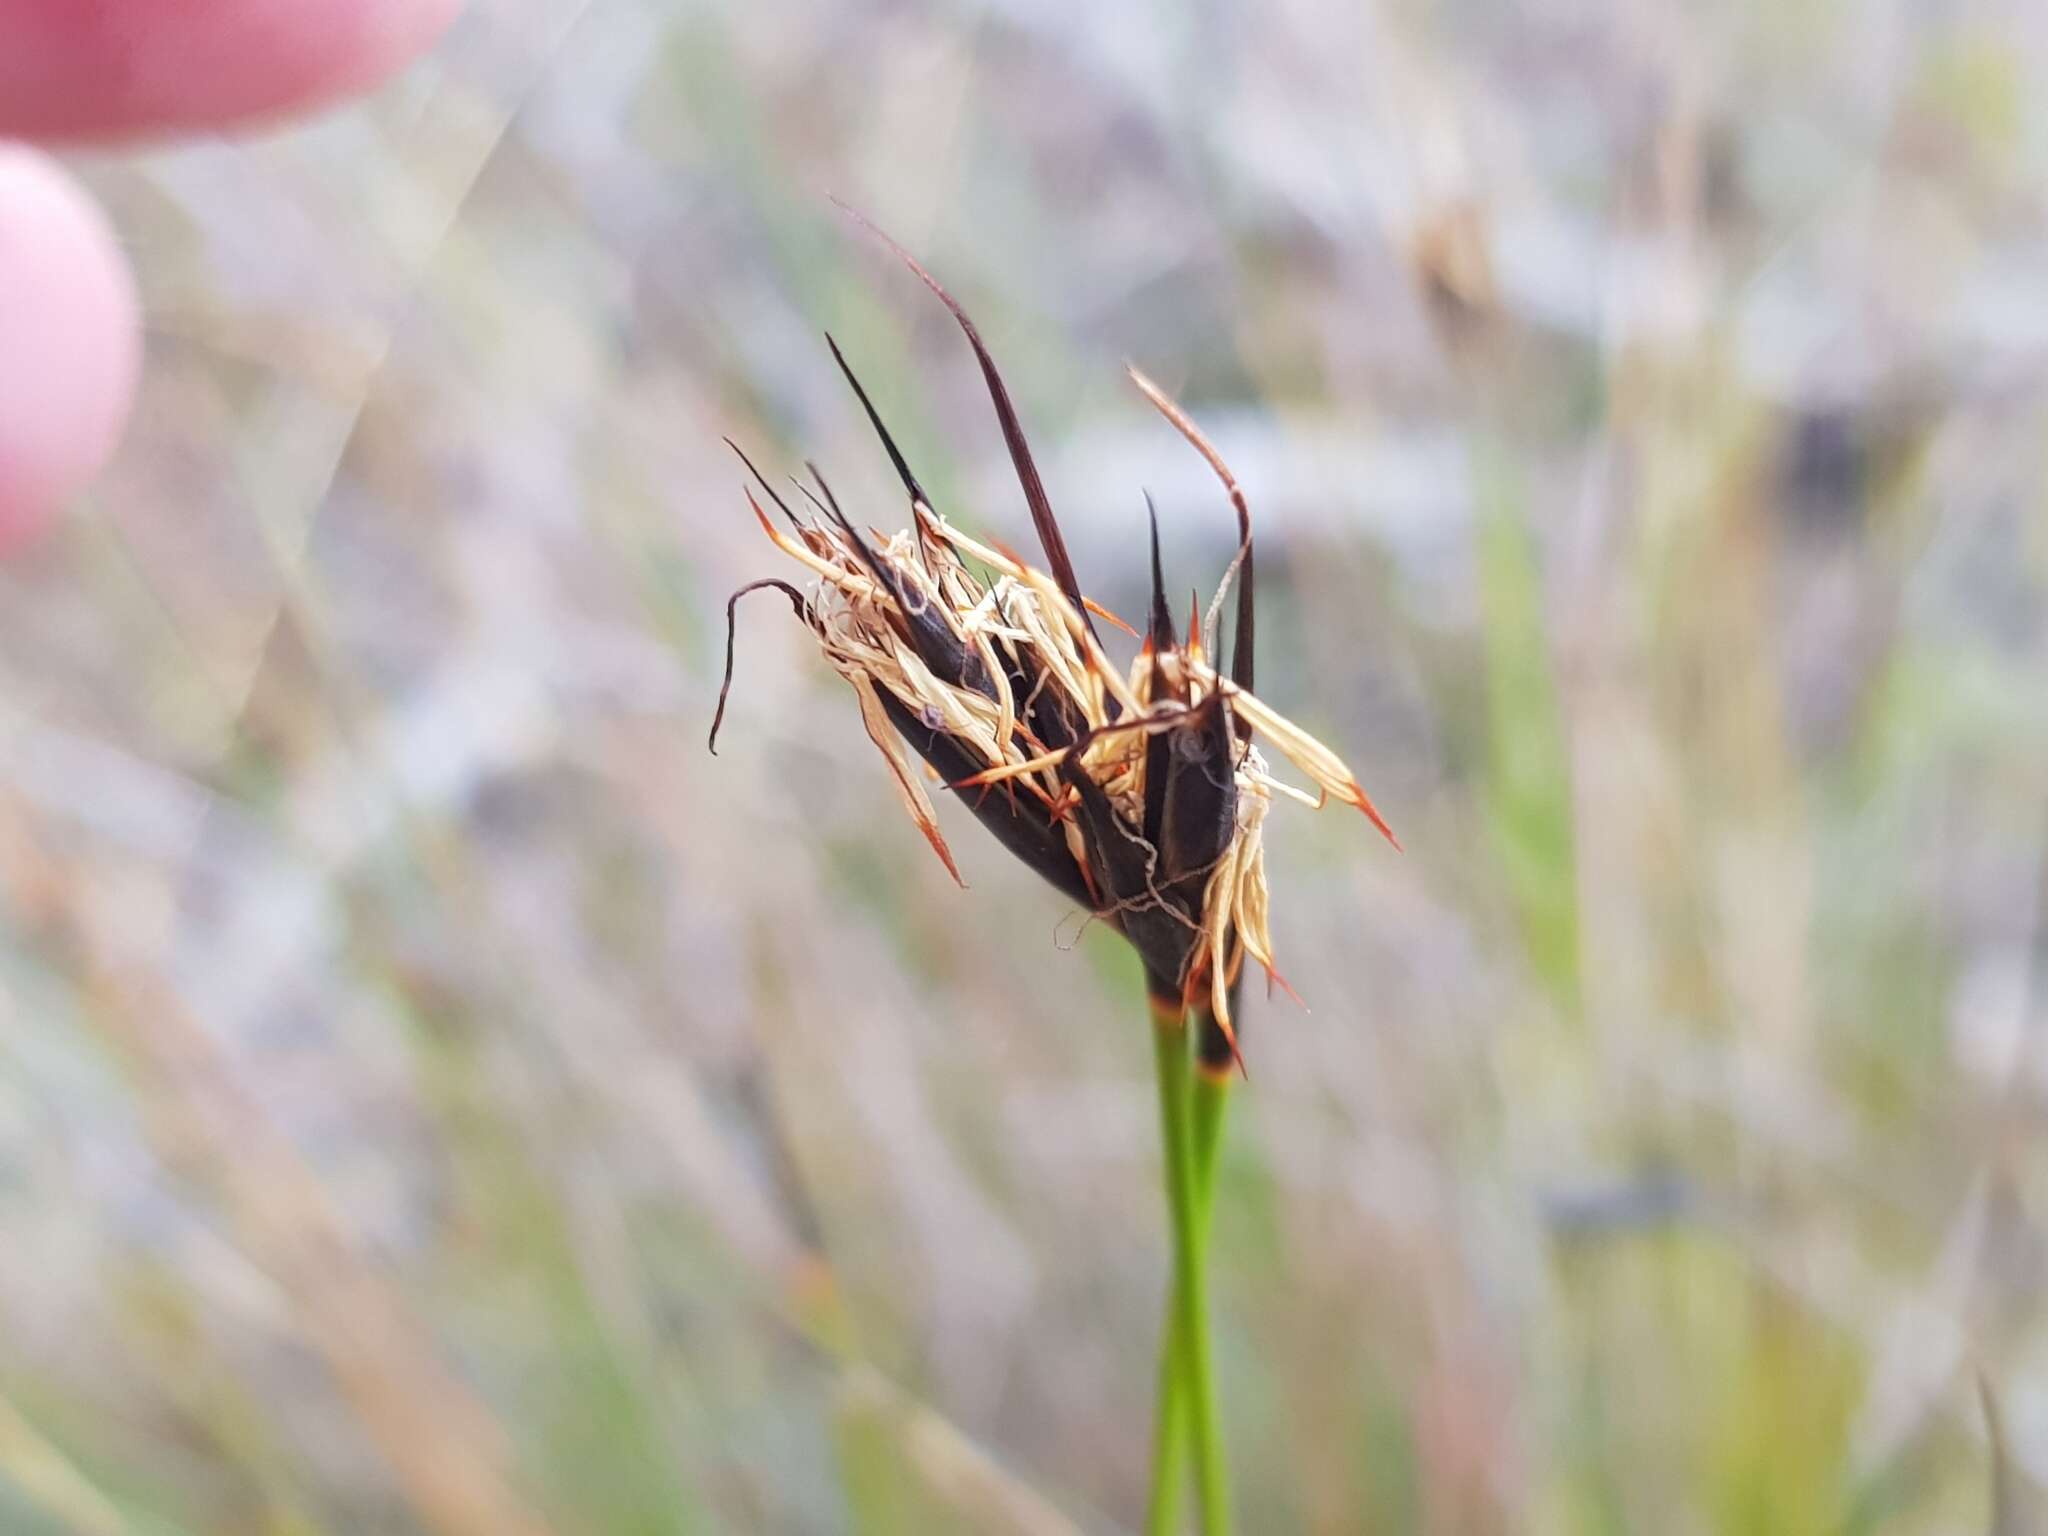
(796, 601)
(1241, 654)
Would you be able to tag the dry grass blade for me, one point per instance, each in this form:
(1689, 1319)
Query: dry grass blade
(47, 1478)
(443, 1445)
(970, 1485)
(2016, 1505)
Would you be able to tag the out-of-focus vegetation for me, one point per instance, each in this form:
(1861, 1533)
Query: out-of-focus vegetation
(436, 1095)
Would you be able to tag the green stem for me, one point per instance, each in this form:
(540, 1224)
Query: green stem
(1212, 1098)
(1169, 1434)
(1169, 1445)
(1188, 1392)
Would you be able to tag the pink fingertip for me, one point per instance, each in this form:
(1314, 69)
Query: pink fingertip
(97, 71)
(69, 344)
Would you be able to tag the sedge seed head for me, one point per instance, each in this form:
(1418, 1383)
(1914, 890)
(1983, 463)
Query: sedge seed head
(1139, 794)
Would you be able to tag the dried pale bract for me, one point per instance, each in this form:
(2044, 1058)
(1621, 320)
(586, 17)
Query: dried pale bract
(1140, 796)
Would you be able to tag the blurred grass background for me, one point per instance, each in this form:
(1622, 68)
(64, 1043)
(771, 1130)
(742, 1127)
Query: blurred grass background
(437, 1096)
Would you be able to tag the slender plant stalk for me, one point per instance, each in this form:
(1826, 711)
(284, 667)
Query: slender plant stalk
(1169, 1432)
(1210, 1103)
(1186, 1389)
(1212, 1100)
